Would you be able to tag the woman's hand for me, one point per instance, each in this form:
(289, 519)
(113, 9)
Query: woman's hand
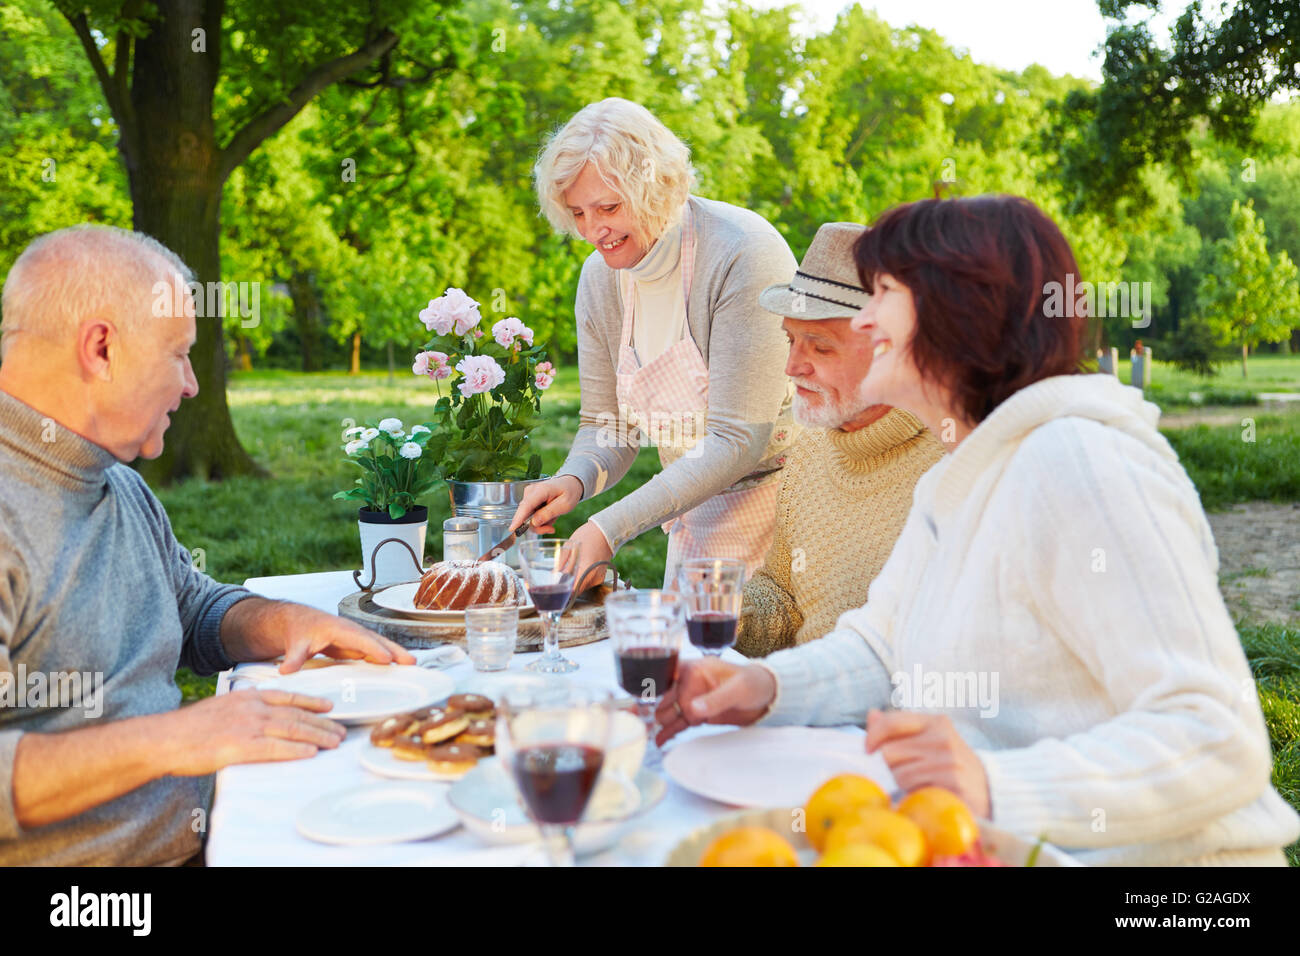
(546, 501)
(925, 750)
(592, 547)
(712, 691)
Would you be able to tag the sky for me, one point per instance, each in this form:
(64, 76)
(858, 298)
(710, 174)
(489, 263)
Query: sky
(1062, 35)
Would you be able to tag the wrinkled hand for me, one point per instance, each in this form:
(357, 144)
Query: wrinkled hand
(246, 726)
(309, 632)
(546, 501)
(712, 691)
(925, 750)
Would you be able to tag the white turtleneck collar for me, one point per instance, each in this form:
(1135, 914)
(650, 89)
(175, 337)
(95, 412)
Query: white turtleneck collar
(663, 259)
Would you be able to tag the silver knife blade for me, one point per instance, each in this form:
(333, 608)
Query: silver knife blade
(506, 543)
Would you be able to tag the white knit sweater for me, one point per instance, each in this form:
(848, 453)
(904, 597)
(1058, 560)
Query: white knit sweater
(1060, 562)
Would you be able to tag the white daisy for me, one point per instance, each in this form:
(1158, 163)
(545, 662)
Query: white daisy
(409, 450)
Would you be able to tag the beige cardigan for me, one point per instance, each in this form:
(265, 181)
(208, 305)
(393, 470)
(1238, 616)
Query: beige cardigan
(738, 254)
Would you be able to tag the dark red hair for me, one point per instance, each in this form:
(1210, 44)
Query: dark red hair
(979, 270)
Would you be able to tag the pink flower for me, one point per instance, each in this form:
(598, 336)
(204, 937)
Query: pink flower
(432, 364)
(546, 367)
(453, 311)
(507, 330)
(482, 374)
(545, 376)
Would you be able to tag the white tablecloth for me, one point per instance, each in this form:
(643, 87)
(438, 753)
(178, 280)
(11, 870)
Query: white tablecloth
(253, 814)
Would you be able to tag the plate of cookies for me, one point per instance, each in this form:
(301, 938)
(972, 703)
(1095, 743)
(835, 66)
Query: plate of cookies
(444, 741)
(449, 587)
(363, 693)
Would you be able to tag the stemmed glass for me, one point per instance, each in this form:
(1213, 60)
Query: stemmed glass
(646, 630)
(548, 566)
(713, 589)
(552, 741)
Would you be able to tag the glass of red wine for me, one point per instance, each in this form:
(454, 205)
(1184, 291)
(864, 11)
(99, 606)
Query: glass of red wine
(646, 630)
(712, 589)
(552, 741)
(548, 566)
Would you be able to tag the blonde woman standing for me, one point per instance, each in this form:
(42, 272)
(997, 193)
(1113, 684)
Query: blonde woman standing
(673, 347)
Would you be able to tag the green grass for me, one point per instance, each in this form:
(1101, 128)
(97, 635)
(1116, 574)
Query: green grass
(289, 524)
(1173, 389)
(1227, 469)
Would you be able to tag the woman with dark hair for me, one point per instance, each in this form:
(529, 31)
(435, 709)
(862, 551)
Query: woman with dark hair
(1048, 628)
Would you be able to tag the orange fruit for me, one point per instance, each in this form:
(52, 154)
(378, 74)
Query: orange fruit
(837, 797)
(948, 825)
(749, 846)
(892, 832)
(857, 854)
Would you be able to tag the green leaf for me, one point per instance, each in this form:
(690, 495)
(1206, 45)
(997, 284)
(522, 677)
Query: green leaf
(396, 511)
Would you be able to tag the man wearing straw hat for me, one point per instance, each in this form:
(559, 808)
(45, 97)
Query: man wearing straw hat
(848, 482)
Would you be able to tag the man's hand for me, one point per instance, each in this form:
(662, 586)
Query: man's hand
(712, 691)
(925, 750)
(245, 726)
(257, 629)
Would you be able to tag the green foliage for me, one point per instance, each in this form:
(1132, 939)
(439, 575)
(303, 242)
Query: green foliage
(395, 469)
(1249, 297)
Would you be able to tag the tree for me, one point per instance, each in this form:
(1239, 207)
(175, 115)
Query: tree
(1151, 102)
(1250, 297)
(159, 65)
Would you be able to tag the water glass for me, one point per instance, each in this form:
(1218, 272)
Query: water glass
(490, 634)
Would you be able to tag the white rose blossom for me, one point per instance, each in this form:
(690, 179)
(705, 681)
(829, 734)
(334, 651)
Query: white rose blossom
(409, 450)
(420, 430)
(353, 447)
(369, 435)
(391, 425)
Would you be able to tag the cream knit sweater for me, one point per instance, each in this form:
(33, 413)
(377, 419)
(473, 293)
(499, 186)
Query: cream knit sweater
(1060, 558)
(843, 501)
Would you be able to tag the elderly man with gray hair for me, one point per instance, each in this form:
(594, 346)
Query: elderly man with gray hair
(94, 583)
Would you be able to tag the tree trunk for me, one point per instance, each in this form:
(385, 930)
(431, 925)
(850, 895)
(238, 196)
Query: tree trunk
(176, 184)
(355, 367)
(306, 315)
(1244, 348)
(244, 353)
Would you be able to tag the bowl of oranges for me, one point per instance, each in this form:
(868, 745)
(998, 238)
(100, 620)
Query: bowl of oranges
(850, 821)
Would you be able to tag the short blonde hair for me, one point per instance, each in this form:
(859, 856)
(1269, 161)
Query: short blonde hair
(638, 156)
(62, 275)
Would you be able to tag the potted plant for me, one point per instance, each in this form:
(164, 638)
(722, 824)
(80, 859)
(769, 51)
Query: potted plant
(396, 469)
(483, 442)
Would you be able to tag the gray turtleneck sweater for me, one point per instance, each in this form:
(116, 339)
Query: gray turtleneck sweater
(94, 584)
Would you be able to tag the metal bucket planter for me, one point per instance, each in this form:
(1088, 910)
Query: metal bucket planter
(494, 504)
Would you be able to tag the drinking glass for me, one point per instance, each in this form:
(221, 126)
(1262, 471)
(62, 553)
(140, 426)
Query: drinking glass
(548, 566)
(712, 589)
(490, 634)
(646, 630)
(552, 741)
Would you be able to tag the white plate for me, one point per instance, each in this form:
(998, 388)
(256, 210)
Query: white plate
(400, 599)
(367, 693)
(383, 813)
(771, 766)
(382, 761)
(487, 803)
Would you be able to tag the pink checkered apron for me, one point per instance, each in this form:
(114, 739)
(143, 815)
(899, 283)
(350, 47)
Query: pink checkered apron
(668, 399)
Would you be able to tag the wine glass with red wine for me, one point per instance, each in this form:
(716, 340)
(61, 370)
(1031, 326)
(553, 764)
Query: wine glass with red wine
(712, 589)
(552, 741)
(548, 566)
(646, 630)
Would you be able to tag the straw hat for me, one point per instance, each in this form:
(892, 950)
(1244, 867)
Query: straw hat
(826, 285)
